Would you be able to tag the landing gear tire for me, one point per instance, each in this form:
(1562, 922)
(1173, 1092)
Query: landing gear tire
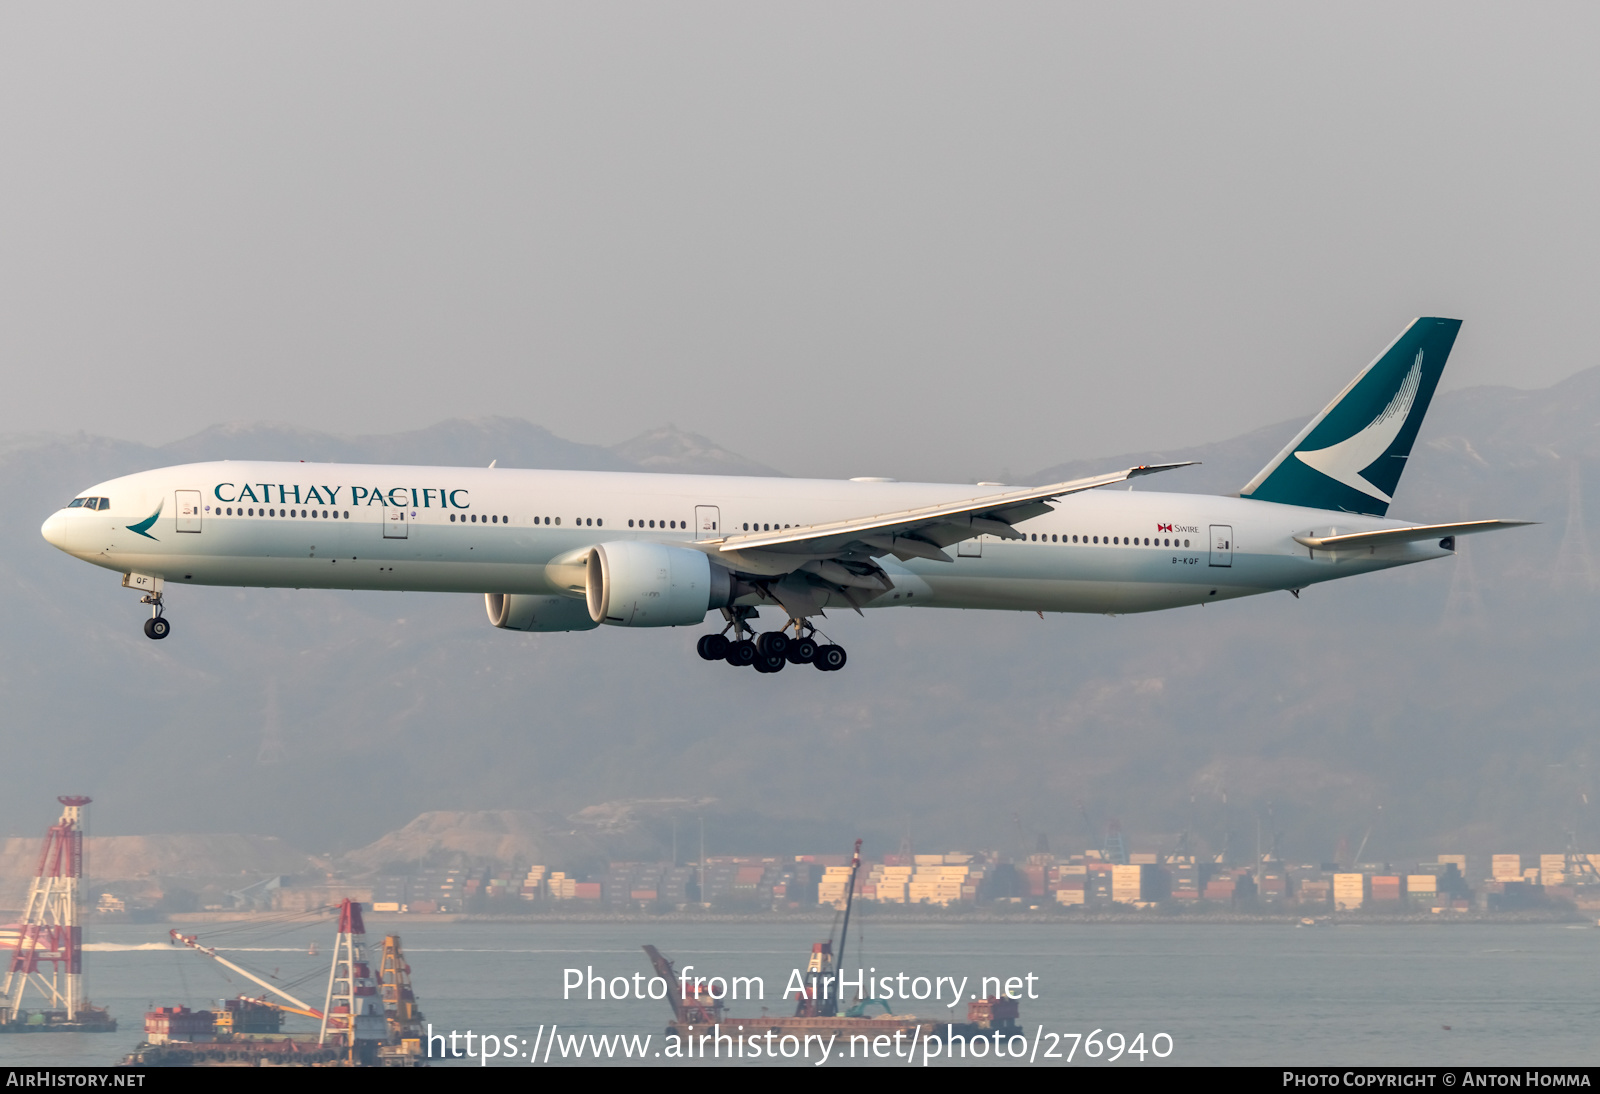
(772, 644)
(712, 647)
(830, 658)
(157, 627)
(770, 662)
(802, 651)
(741, 653)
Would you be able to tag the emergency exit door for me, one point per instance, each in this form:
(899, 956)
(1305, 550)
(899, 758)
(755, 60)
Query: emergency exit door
(1222, 545)
(394, 524)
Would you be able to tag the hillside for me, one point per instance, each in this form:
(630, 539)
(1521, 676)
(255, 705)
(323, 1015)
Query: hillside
(1446, 705)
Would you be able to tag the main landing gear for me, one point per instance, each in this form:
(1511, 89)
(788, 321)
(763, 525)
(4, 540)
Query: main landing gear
(156, 626)
(771, 651)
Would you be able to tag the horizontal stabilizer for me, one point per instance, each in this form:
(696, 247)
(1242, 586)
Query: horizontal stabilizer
(1416, 533)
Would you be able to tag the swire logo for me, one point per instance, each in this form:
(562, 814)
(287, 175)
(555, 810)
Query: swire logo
(1163, 527)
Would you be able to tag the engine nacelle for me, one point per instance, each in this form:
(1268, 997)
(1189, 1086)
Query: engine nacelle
(636, 584)
(523, 612)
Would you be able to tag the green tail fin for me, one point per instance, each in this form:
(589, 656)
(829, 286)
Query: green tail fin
(1351, 455)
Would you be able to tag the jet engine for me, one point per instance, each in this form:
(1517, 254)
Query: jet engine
(635, 584)
(523, 612)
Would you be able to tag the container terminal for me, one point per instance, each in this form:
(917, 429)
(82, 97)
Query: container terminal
(1096, 880)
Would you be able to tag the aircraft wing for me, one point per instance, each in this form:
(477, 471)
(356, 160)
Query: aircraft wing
(1415, 533)
(922, 532)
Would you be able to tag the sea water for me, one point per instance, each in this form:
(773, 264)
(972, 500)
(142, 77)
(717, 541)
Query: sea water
(1428, 994)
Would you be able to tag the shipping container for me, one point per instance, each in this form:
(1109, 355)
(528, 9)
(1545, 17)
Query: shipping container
(1349, 890)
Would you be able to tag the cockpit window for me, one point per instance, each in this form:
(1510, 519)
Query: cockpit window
(77, 503)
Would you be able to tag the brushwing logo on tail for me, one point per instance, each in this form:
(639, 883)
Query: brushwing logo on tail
(1344, 462)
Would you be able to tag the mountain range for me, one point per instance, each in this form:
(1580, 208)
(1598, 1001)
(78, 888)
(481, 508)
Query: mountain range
(1441, 707)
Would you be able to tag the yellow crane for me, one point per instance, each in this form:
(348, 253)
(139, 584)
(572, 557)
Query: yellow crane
(399, 1002)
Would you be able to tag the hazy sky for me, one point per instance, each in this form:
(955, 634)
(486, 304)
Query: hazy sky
(911, 239)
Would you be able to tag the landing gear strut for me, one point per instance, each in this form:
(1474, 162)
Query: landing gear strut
(156, 626)
(771, 651)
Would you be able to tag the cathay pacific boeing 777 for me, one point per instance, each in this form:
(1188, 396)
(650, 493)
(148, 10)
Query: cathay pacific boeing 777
(571, 550)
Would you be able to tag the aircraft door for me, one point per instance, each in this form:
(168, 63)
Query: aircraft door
(707, 522)
(188, 510)
(1222, 545)
(394, 524)
(970, 548)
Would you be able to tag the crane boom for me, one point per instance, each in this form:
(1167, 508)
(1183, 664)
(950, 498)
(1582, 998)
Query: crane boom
(194, 944)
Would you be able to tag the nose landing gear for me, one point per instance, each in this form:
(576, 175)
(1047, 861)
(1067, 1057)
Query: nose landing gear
(156, 626)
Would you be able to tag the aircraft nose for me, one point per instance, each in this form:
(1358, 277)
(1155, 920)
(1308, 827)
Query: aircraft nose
(54, 530)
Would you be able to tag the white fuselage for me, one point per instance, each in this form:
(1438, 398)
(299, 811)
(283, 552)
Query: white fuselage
(494, 530)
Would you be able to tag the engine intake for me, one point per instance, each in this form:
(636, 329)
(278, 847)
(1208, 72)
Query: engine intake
(524, 612)
(637, 584)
